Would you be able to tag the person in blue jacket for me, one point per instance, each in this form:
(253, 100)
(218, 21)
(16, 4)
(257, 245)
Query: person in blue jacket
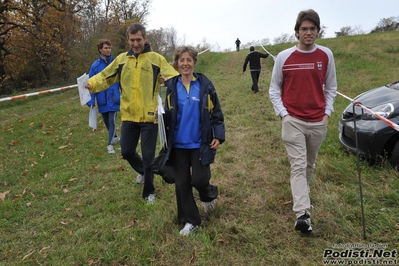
(108, 101)
(195, 129)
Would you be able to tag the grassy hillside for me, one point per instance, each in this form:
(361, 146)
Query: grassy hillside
(65, 201)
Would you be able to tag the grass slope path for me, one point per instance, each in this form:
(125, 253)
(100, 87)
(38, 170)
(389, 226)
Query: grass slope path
(65, 201)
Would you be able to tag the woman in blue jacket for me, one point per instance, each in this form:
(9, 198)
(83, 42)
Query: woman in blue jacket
(108, 101)
(195, 129)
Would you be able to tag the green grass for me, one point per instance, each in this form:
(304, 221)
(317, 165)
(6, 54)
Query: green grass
(67, 202)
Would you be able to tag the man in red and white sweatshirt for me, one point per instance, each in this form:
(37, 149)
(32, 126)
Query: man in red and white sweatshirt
(302, 89)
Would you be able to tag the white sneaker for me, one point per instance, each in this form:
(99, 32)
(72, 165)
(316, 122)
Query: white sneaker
(140, 179)
(150, 199)
(110, 149)
(115, 140)
(209, 206)
(188, 229)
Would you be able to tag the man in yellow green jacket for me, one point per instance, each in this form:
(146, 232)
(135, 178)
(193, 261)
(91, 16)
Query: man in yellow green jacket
(139, 72)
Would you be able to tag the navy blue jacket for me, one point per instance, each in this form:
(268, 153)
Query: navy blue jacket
(109, 99)
(212, 120)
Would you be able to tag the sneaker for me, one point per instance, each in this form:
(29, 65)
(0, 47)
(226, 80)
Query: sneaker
(303, 223)
(110, 149)
(150, 199)
(209, 206)
(115, 140)
(140, 179)
(188, 229)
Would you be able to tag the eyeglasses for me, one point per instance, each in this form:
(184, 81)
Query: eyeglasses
(305, 29)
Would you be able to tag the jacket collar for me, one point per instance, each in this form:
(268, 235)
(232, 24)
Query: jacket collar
(147, 48)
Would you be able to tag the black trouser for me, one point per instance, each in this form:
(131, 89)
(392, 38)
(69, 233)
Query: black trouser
(189, 173)
(130, 134)
(255, 78)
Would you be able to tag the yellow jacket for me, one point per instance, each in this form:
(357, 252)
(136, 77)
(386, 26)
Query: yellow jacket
(139, 82)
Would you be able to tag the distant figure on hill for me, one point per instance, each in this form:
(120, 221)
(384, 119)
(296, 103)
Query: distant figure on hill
(238, 42)
(108, 100)
(254, 66)
(303, 89)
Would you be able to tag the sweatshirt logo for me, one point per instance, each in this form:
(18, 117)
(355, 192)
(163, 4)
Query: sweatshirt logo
(195, 99)
(319, 65)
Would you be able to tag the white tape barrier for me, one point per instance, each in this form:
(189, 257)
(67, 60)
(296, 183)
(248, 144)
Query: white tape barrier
(206, 50)
(274, 58)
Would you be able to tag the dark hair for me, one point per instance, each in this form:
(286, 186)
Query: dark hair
(101, 43)
(252, 48)
(134, 28)
(307, 15)
(179, 50)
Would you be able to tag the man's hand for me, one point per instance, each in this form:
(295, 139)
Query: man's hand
(88, 86)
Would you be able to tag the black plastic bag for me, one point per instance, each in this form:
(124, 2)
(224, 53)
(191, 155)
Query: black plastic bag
(160, 167)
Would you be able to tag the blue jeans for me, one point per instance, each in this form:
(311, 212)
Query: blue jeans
(109, 121)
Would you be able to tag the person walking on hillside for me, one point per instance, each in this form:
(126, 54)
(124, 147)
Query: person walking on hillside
(139, 72)
(238, 42)
(108, 100)
(195, 124)
(254, 66)
(303, 89)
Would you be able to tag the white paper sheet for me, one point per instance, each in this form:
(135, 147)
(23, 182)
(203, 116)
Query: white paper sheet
(84, 93)
(161, 124)
(93, 117)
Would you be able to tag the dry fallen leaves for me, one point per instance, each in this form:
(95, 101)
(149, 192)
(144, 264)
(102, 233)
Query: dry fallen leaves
(13, 143)
(4, 194)
(28, 255)
(132, 222)
(193, 257)
(287, 202)
(92, 261)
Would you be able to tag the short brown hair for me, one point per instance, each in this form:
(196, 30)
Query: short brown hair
(101, 43)
(189, 49)
(307, 15)
(134, 28)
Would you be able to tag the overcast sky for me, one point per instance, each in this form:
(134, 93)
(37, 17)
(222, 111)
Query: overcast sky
(221, 22)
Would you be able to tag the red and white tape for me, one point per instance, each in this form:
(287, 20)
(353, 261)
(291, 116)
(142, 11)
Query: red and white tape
(388, 122)
(22, 96)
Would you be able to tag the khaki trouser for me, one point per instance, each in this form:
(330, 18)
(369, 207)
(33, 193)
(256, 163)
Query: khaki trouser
(302, 141)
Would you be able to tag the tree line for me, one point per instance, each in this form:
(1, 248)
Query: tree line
(49, 42)
(385, 24)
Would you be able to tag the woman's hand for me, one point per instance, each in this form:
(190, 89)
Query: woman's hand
(214, 144)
